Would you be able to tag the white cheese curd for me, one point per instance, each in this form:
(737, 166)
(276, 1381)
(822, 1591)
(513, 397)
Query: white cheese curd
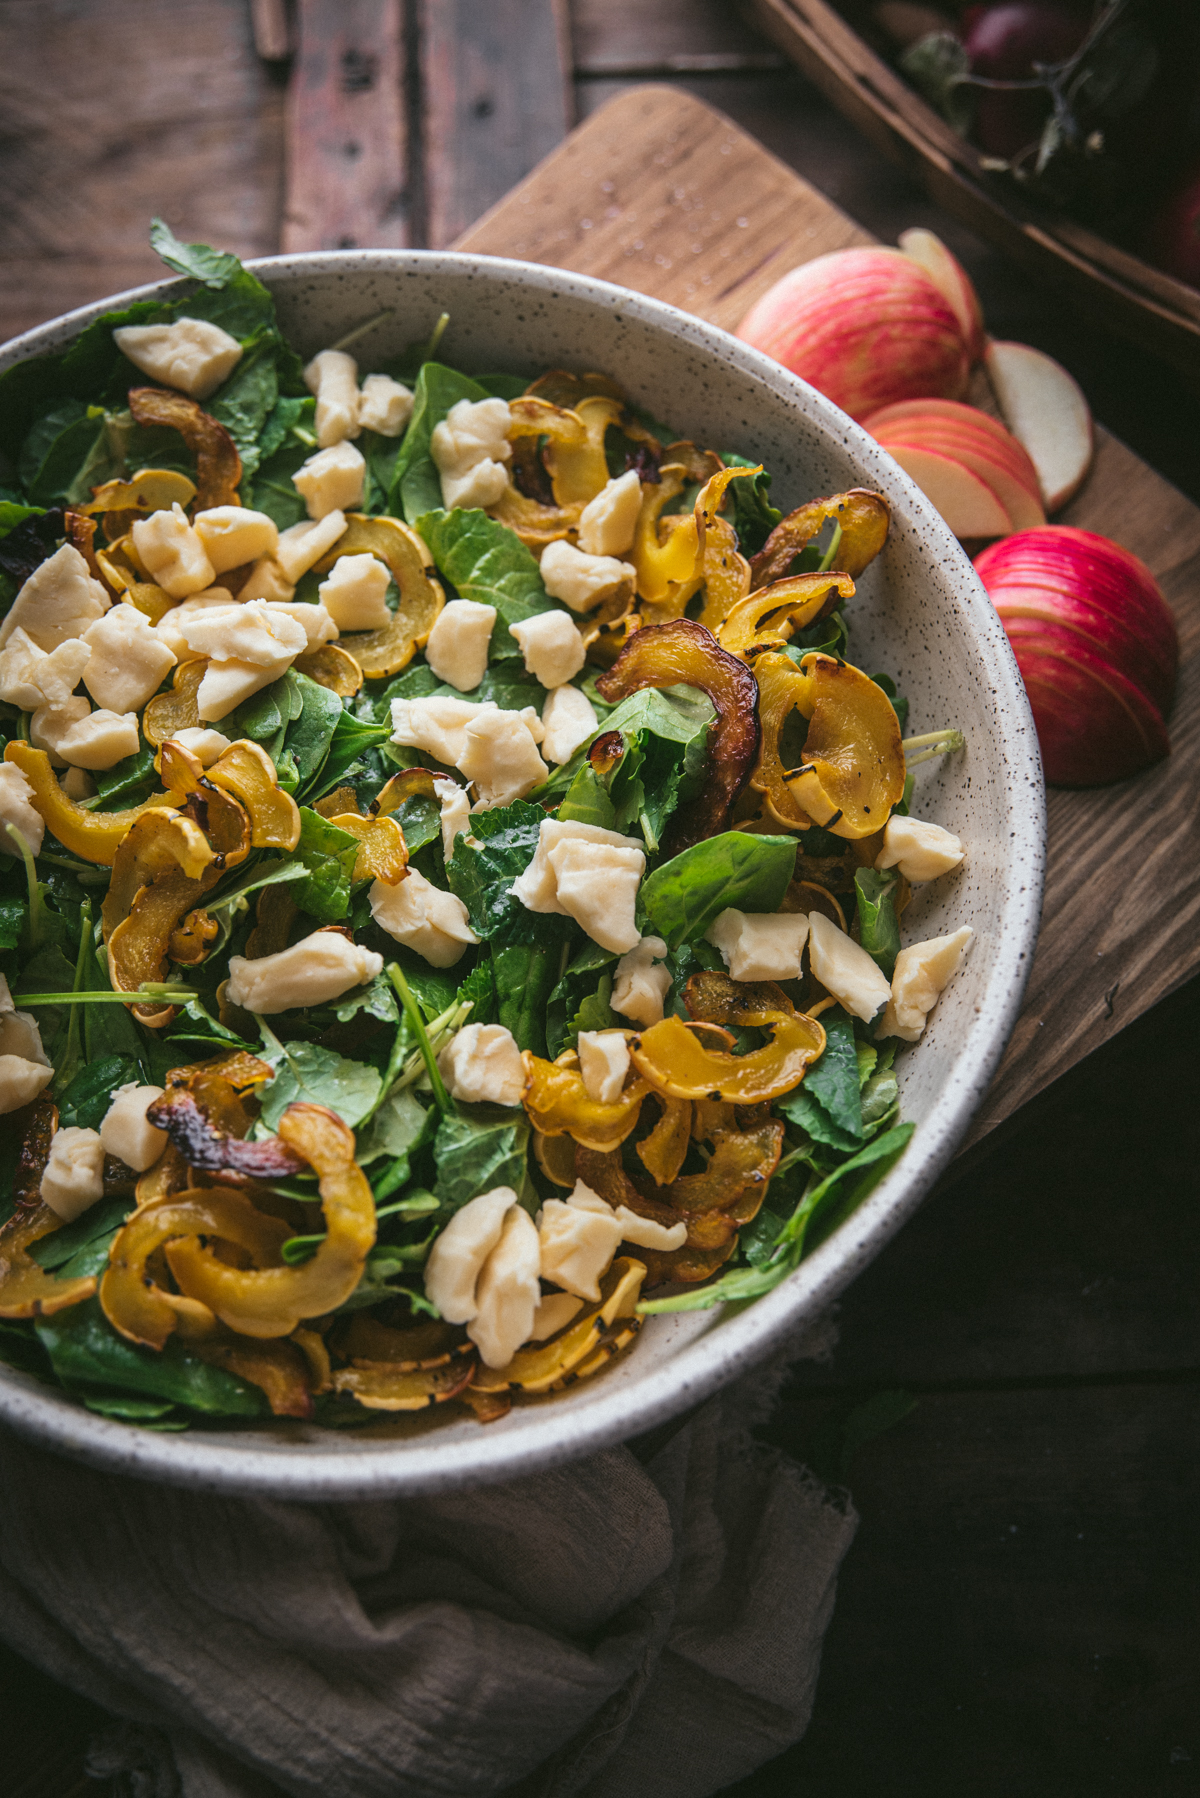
(568, 719)
(313, 971)
(501, 757)
(227, 683)
(303, 544)
(424, 918)
(455, 814)
(169, 628)
(457, 1257)
(579, 580)
(646, 1233)
(266, 579)
(552, 647)
(192, 355)
(507, 1293)
(845, 969)
(555, 1312)
(597, 885)
(77, 784)
(457, 649)
(128, 660)
(95, 740)
(331, 481)
(170, 550)
(50, 724)
(354, 593)
(760, 945)
(74, 1175)
(437, 725)
(254, 632)
(17, 808)
(21, 1081)
(59, 600)
(920, 850)
(603, 1063)
(29, 677)
(469, 448)
(536, 888)
(234, 535)
(314, 621)
(20, 1034)
(606, 524)
(208, 746)
(922, 973)
(384, 405)
(482, 1065)
(577, 1242)
(640, 987)
(125, 1132)
(333, 378)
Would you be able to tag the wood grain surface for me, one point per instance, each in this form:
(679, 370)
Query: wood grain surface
(660, 193)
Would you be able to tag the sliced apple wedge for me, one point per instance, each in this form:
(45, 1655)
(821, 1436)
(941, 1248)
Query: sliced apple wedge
(1046, 411)
(948, 274)
(969, 506)
(965, 435)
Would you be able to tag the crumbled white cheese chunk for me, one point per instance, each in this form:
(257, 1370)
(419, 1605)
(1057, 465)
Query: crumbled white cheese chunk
(17, 809)
(128, 661)
(21, 1081)
(501, 757)
(455, 813)
(313, 971)
(579, 580)
(74, 1174)
(458, 1255)
(29, 677)
(59, 600)
(172, 552)
(457, 649)
(760, 945)
(254, 632)
(303, 544)
(314, 621)
(77, 784)
(208, 746)
(20, 1034)
(234, 535)
(384, 405)
(552, 647)
(84, 738)
(568, 719)
(470, 449)
(50, 723)
(555, 1312)
(192, 355)
(423, 917)
(482, 1065)
(266, 579)
(125, 1132)
(333, 377)
(920, 850)
(331, 481)
(437, 725)
(603, 1063)
(578, 1238)
(606, 524)
(647, 1233)
(597, 885)
(845, 969)
(536, 887)
(228, 681)
(170, 627)
(640, 987)
(507, 1293)
(921, 974)
(354, 593)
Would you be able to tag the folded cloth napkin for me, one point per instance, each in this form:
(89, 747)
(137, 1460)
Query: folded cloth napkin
(648, 1621)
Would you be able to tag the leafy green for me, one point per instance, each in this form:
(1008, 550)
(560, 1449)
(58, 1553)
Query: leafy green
(85, 1351)
(479, 991)
(833, 1080)
(128, 781)
(506, 838)
(754, 517)
(205, 1033)
(587, 800)
(880, 1093)
(879, 928)
(86, 1100)
(397, 1127)
(318, 1076)
(510, 685)
(473, 1153)
(97, 1223)
(289, 438)
(899, 703)
(246, 401)
(683, 896)
(311, 731)
(578, 982)
(328, 853)
(488, 563)
(525, 975)
(416, 485)
(64, 455)
(13, 913)
(351, 738)
(215, 268)
(49, 971)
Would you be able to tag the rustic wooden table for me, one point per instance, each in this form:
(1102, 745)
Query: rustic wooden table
(1012, 1397)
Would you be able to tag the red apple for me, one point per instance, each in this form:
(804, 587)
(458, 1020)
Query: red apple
(970, 436)
(864, 327)
(969, 506)
(1094, 725)
(1046, 411)
(944, 268)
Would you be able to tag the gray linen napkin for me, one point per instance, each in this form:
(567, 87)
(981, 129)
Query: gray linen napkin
(637, 1623)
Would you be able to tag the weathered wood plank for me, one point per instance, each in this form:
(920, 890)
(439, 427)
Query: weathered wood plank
(626, 37)
(662, 194)
(346, 133)
(496, 99)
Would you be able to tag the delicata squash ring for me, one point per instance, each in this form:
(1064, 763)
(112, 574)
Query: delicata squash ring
(387, 651)
(676, 1060)
(92, 836)
(852, 772)
(27, 1290)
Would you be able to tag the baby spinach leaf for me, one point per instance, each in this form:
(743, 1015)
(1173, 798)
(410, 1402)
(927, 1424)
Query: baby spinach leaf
(49, 971)
(215, 268)
(416, 485)
(61, 452)
(399, 1125)
(13, 514)
(85, 1351)
(754, 517)
(487, 562)
(525, 975)
(833, 1079)
(246, 401)
(595, 1012)
(475, 1151)
(682, 897)
(320, 1077)
(311, 730)
(351, 737)
(204, 1034)
(587, 800)
(879, 929)
(328, 853)
(289, 438)
(503, 387)
(86, 1100)
(510, 685)
(98, 1221)
(262, 717)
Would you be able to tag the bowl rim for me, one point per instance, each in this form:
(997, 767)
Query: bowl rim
(553, 1435)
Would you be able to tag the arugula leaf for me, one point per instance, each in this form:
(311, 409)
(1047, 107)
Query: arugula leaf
(682, 897)
(487, 562)
(880, 1093)
(416, 485)
(319, 1076)
(85, 1351)
(473, 1153)
(879, 928)
(679, 715)
(311, 730)
(328, 853)
(754, 517)
(86, 1100)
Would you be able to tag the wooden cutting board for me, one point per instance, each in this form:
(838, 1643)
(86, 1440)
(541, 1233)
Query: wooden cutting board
(666, 196)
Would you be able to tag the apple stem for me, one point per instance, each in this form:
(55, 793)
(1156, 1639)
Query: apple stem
(940, 742)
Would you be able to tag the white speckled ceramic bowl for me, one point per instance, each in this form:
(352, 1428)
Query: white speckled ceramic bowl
(920, 612)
